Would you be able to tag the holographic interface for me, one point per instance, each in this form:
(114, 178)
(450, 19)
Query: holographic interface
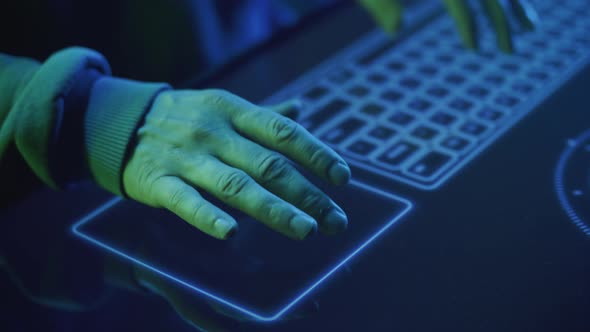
(258, 272)
(419, 109)
(572, 181)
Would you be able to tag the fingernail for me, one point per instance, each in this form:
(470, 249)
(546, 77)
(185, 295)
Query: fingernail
(225, 228)
(303, 226)
(336, 220)
(339, 173)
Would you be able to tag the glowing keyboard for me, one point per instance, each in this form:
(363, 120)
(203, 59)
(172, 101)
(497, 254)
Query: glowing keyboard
(418, 109)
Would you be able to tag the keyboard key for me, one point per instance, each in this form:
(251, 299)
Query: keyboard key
(522, 87)
(472, 67)
(478, 91)
(554, 63)
(445, 58)
(443, 118)
(358, 91)
(539, 43)
(430, 42)
(494, 79)
(377, 78)
(490, 114)
(372, 109)
(424, 133)
(455, 143)
(437, 91)
(361, 147)
(316, 93)
(428, 70)
(396, 66)
(342, 130)
(461, 105)
(430, 164)
(327, 112)
(538, 75)
(473, 128)
(530, 56)
(455, 79)
(570, 52)
(506, 100)
(510, 67)
(398, 153)
(401, 118)
(486, 55)
(447, 32)
(340, 76)
(413, 54)
(420, 105)
(392, 95)
(410, 82)
(382, 132)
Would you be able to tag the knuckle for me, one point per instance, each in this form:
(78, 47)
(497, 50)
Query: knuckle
(147, 172)
(217, 97)
(284, 129)
(176, 199)
(195, 213)
(232, 183)
(313, 201)
(273, 167)
(318, 157)
(278, 216)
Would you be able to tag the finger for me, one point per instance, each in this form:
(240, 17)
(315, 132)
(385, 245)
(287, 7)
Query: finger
(387, 13)
(275, 173)
(500, 24)
(525, 13)
(464, 21)
(184, 201)
(237, 189)
(291, 108)
(286, 136)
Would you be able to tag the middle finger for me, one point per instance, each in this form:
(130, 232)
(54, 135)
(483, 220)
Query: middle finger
(274, 172)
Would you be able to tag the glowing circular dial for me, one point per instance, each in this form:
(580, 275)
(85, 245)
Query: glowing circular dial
(572, 181)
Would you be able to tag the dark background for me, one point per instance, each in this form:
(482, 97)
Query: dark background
(492, 250)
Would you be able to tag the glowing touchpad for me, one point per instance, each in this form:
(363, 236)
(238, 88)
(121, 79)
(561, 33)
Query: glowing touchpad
(258, 272)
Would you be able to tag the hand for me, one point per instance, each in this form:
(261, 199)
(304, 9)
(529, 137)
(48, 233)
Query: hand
(388, 14)
(214, 141)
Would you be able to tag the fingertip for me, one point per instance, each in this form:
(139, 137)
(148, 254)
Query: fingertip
(302, 226)
(339, 173)
(335, 221)
(224, 228)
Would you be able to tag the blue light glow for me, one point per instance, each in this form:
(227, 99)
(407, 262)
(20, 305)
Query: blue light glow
(232, 304)
(562, 190)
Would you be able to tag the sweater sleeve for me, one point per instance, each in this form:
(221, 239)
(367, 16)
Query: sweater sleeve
(69, 113)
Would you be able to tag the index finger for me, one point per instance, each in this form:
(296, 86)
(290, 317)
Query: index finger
(463, 17)
(497, 15)
(288, 137)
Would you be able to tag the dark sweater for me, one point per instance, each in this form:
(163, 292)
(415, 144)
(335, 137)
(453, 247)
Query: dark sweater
(67, 119)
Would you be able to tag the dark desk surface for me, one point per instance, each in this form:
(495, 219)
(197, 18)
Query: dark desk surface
(490, 251)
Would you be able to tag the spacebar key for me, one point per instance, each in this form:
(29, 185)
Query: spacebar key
(324, 113)
(430, 164)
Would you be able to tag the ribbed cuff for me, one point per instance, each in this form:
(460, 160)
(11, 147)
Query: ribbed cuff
(115, 110)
